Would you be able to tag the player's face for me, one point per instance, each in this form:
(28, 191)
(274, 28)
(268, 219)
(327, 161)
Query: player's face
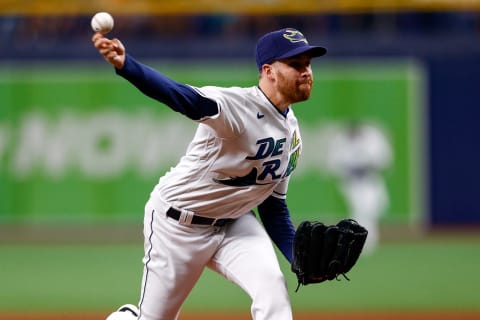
(294, 78)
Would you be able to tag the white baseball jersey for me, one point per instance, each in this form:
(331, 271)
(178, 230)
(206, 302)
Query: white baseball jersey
(237, 157)
(244, 150)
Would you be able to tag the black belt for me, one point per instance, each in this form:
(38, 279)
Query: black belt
(175, 214)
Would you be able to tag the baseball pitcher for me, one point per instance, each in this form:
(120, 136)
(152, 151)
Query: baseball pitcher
(200, 214)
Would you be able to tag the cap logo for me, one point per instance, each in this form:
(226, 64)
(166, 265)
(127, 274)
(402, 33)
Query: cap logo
(294, 36)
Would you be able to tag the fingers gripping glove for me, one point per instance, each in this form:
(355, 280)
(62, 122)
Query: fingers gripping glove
(322, 252)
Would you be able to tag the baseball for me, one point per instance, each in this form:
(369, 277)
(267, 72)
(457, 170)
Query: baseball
(102, 22)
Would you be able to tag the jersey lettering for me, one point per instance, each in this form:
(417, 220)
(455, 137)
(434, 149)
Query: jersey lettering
(269, 168)
(268, 148)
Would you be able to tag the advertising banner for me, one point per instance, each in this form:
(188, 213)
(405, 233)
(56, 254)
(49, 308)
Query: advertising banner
(80, 145)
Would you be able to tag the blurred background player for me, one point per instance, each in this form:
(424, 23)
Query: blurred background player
(358, 153)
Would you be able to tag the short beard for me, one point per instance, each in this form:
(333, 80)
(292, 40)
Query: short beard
(295, 95)
(302, 95)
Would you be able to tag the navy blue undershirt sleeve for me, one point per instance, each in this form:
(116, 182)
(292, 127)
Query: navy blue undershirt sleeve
(275, 217)
(178, 96)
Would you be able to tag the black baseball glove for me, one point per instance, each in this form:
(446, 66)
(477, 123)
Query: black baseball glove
(322, 252)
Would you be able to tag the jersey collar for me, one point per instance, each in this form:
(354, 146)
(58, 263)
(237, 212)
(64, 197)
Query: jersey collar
(284, 113)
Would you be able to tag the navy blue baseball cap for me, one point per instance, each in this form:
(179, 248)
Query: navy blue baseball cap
(282, 44)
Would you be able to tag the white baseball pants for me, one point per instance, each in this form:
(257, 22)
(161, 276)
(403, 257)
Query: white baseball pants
(176, 255)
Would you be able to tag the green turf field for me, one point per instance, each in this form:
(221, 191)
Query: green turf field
(439, 273)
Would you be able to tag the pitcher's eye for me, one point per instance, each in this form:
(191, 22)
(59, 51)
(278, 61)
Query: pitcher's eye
(299, 65)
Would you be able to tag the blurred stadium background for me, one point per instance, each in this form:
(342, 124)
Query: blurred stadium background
(80, 149)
